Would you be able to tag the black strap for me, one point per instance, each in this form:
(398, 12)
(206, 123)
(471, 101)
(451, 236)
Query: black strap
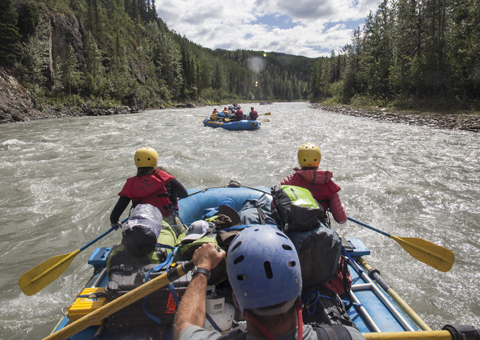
(261, 214)
(335, 332)
(346, 284)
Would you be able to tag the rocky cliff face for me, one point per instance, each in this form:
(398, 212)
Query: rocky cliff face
(16, 101)
(66, 30)
(16, 105)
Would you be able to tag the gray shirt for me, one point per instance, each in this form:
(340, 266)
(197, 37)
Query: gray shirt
(197, 333)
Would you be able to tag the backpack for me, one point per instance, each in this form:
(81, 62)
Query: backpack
(295, 208)
(319, 252)
(323, 306)
(342, 281)
(120, 257)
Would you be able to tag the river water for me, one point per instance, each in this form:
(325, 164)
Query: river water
(59, 180)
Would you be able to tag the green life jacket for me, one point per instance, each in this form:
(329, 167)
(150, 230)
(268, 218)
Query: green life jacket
(165, 243)
(186, 250)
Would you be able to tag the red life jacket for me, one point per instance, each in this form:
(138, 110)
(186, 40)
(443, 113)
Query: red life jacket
(254, 115)
(239, 114)
(150, 190)
(322, 192)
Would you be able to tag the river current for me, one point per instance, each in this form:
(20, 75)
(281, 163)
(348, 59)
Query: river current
(59, 180)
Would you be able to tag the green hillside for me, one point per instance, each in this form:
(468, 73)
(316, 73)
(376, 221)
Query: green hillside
(103, 53)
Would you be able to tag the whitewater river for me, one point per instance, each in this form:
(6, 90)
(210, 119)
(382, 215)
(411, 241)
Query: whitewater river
(59, 180)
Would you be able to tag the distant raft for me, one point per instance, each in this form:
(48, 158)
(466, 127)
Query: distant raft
(232, 124)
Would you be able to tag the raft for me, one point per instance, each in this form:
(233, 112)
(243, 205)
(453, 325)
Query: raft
(233, 124)
(377, 310)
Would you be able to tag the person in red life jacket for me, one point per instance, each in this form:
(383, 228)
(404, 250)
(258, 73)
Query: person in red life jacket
(319, 182)
(214, 115)
(152, 185)
(253, 115)
(239, 114)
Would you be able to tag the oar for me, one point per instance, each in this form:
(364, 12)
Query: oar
(375, 274)
(121, 302)
(265, 114)
(266, 120)
(42, 275)
(434, 255)
(424, 335)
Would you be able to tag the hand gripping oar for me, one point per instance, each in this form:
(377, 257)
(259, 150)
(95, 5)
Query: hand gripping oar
(42, 275)
(435, 256)
(121, 302)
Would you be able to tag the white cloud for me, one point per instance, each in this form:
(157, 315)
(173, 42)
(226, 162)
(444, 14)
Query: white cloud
(311, 28)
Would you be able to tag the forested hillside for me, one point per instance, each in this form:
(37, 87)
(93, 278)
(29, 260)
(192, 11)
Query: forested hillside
(101, 53)
(409, 54)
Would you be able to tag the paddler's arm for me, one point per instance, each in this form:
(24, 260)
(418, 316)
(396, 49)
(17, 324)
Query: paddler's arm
(118, 210)
(191, 310)
(178, 189)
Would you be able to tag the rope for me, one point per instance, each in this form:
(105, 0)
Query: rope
(226, 186)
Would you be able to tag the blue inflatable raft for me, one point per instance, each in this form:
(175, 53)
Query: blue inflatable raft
(233, 124)
(377, 311)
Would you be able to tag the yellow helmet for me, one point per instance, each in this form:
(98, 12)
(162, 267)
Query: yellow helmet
(309, 155)
(146, 157)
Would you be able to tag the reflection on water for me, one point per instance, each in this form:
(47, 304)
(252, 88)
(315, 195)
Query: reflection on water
(60, 179)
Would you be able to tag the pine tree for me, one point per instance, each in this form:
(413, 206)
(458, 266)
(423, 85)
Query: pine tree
(10, 38)
(93, 65)
(35, 59)
(71, 75)
(28, 19)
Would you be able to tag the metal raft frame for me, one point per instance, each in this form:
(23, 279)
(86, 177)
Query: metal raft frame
(373, 298)
(369, 285)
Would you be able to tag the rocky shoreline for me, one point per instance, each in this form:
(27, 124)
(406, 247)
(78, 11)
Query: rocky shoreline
(16, 105)
(451, 121)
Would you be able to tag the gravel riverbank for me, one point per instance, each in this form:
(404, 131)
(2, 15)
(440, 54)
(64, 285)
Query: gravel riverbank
(452, 121)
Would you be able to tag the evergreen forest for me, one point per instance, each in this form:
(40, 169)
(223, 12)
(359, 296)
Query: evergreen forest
(408, 54)
(127, 55)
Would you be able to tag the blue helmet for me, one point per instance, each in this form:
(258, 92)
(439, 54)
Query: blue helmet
(263, 268)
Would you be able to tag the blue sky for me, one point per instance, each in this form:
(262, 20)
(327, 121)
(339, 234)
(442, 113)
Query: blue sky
(311, 28)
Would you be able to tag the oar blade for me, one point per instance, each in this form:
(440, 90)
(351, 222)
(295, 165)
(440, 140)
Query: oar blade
(429, 253)
(266, 120)
(267, 114)
(42, 275)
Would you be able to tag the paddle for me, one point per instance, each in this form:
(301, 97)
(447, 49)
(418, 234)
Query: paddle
(123, 301)
(423, 335)
(265, 114)
(435, 256)
(42, 275)
(266, 120)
